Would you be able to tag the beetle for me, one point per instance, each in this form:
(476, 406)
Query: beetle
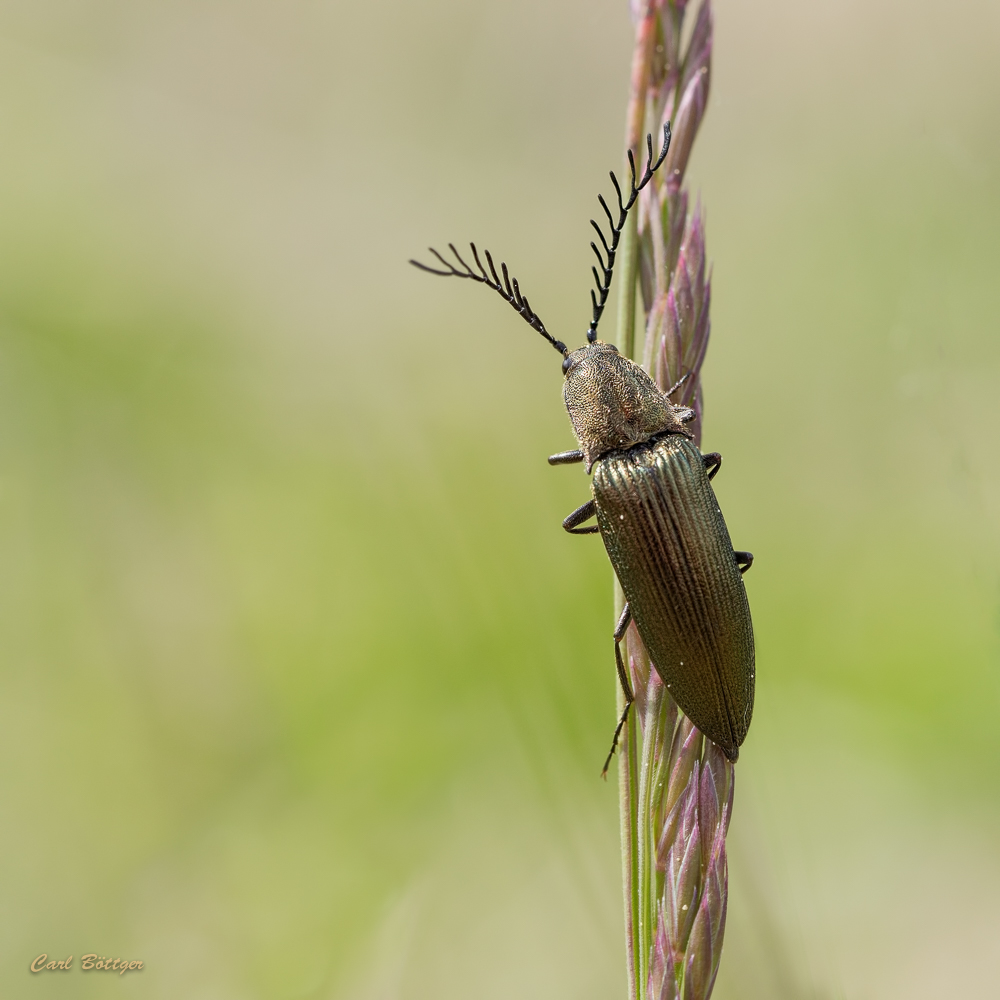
(655, 507)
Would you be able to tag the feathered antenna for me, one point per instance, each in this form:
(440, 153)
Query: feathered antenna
(508, 290)
(608, 261)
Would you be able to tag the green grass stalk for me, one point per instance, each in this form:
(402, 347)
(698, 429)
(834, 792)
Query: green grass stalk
(675, 787)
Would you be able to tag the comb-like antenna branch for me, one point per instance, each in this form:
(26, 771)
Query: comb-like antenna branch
(607, 211)
(600, 235)
(508, 290)
(603, 281)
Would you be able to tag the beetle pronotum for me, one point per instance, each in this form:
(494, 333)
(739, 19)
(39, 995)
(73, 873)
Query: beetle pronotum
(655, 507)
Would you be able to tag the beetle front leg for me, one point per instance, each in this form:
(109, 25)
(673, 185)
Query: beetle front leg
(744, 560)
(620, 629)
(713, 461)
(581, 514)
(566, 457)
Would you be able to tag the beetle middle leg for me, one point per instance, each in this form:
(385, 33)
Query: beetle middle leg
(620, 629)
(713, 462)
(744, 560)
(582, 513)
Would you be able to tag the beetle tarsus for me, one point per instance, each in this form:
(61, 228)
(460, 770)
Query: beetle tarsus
(583, 513)
(614, 742)
(744, 560)
(677, 385)
(566, 457)
(713, 462)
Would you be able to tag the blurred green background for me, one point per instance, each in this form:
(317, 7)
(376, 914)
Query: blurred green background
(304, 691)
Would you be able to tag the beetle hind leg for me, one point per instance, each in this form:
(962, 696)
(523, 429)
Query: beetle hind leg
(744, 560)
(582, 513)
(620, 629)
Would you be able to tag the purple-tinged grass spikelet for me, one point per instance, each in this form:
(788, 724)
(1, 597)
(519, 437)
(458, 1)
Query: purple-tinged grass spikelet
(676, 787)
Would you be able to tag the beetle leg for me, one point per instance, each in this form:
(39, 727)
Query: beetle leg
(581, 514)
(677, 385)
(620, 629)
(713, 462)
(566, 457)
(744, 560)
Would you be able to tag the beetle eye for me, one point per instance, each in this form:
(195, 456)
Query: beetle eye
(567, 364)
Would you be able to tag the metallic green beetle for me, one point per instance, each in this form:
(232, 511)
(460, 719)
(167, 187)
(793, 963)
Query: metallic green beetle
(655, 507)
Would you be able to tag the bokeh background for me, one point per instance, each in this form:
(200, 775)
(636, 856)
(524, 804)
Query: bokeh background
(304, 691)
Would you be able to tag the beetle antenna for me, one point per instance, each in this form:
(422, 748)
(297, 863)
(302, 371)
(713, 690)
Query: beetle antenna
(607, 262)
(507, 289)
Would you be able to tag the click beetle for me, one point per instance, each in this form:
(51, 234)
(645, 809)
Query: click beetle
(655, 507)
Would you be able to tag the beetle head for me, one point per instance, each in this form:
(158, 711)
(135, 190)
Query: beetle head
(613, 404)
